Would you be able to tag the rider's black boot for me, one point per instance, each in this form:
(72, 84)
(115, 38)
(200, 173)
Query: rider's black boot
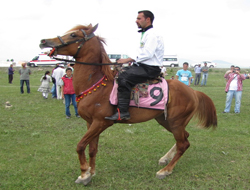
(122, 109)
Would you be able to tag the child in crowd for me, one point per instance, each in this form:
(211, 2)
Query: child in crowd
(68, 92)
(45, 87)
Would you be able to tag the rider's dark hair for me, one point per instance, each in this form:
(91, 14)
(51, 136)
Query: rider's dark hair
(148, 14)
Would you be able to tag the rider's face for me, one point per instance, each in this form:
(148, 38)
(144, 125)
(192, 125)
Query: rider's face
(141, 21)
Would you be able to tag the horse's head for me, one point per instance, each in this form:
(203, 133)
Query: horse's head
(71, 42)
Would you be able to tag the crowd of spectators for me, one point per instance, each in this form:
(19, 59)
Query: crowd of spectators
(233, 78)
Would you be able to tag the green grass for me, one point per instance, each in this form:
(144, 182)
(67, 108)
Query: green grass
(38, 145)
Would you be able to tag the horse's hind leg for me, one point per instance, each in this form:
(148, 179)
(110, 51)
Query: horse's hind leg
(170, 154)
(177, 127)
(182, 145)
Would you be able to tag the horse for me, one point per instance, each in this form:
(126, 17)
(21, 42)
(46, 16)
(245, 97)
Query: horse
(93, 81)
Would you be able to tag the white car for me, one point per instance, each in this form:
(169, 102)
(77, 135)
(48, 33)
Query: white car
(209, 64)
(170, 61)
(44, 60)
(114, 57)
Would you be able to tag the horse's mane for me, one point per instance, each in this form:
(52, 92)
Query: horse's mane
(78, 27)
(104, 57)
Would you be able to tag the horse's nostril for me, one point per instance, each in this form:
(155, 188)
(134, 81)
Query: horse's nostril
(43, 41)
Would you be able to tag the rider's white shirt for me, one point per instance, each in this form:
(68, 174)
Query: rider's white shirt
(151, 49)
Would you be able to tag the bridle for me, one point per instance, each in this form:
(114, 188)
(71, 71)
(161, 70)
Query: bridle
(81, 41)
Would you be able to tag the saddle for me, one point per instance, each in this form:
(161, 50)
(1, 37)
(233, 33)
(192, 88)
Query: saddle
(152, 94)
(140, 90)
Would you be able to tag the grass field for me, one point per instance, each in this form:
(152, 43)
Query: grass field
(38, 145)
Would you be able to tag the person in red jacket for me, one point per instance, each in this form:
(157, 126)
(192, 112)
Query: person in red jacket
(69, 92)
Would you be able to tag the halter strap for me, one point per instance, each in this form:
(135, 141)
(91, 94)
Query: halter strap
(82, 40)
(61, 40)
(86, 38)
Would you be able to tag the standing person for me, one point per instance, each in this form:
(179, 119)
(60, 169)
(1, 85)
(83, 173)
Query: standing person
(197, 71)
(147, 64)
(71, 66)
(229, 71)
(11, 73)
(45, 87)
(163, 71)
(234, 89)
(24, 77)
(184, 75)
(204, 70)
(53, 89)
(68, 92)
(58, 74)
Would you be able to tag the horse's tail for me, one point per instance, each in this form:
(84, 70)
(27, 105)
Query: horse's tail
(206, 111)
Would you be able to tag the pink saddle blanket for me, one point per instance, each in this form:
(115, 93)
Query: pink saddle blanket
(157, 96)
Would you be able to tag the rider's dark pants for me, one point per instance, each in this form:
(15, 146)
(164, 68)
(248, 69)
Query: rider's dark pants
(128, 79)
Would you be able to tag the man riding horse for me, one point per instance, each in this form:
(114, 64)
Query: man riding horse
(146, 65)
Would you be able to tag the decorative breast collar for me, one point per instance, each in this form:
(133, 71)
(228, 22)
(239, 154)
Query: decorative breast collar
(92, 88)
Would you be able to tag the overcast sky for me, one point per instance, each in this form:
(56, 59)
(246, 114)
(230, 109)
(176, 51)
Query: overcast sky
(193, 29)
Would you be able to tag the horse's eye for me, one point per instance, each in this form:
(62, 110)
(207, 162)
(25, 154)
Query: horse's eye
(73, 35)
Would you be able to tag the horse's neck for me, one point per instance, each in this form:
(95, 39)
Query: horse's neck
(85, 76)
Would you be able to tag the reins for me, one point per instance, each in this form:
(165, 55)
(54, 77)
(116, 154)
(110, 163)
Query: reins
(84, 63)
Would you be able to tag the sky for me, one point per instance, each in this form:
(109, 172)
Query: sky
(196, 30)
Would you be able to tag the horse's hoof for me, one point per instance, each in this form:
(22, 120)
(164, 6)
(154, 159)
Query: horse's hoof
(84, 180)
(161, 175)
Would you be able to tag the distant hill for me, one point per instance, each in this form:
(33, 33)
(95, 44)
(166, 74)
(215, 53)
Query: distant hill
(222, 64)
(182, 60)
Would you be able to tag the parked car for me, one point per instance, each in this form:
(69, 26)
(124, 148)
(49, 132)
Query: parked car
(170, 61)
(44, 60)
(209, 64)
(115, 57)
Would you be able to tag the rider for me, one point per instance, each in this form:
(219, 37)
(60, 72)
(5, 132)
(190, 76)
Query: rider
(146, 64)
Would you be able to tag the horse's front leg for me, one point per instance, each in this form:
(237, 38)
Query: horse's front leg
(90, 138)
(88, 170)
(85, 176)
(93, 149)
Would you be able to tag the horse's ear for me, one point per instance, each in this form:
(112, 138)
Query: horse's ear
(90, 25)
(94, 28)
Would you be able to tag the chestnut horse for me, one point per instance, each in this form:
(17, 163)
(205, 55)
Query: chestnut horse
(93, 82)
